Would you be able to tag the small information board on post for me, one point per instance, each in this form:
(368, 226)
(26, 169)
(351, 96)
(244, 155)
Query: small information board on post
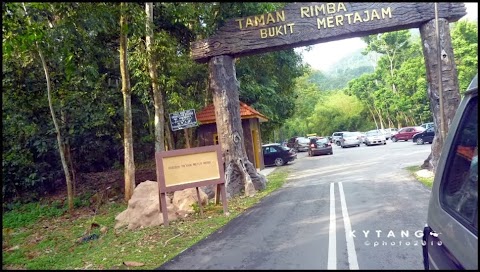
(183, 119)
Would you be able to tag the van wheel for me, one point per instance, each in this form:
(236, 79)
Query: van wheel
(279, 161)
(338, 143)
(419, 141)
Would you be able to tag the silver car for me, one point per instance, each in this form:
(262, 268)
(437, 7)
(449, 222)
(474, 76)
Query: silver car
(375, 137)
(350, 139)
(301, 144)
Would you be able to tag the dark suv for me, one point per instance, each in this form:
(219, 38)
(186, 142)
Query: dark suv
(425, 136)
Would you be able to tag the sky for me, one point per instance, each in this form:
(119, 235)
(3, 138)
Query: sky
(323, 55)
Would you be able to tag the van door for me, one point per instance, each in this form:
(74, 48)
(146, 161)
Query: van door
(451, 234)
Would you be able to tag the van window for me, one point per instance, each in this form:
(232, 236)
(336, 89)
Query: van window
(459, 187)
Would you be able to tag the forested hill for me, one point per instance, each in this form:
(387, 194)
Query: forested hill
(344, 70)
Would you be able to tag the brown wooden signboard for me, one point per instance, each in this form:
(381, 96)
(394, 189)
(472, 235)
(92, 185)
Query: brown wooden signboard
(189, 168)
(307, 23)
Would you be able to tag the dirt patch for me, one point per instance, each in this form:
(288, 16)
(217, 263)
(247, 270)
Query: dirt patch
(112, 180)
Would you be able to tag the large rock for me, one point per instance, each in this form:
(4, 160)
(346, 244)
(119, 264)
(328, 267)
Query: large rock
(143, 208)
(184, 199)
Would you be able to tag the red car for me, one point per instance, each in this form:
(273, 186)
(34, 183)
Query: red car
(406, 133)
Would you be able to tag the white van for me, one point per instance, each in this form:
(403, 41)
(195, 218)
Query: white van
(450, 237)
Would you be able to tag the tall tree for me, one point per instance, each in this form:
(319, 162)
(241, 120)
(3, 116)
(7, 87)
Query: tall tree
(60, 140)
(240, 172)
(157, 94)
(442, 81)
(238, 169)
(392, 45)
(129, 167)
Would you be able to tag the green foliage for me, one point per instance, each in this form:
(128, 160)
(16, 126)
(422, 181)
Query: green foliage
(71, 36)
(338, 112)
(395, 94)
(266, 84)
(465, 48)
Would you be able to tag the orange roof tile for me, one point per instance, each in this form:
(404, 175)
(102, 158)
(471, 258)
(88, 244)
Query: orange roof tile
(207, 114)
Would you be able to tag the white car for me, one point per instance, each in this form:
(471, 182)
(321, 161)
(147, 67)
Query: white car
(350, 139)
(336, 137)
(389, 132)
(375, 137)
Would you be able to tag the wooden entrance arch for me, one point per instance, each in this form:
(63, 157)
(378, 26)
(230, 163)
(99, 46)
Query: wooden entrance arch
(308, 23)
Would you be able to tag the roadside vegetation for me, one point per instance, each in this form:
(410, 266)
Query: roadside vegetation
(46, 237)
(427, 181)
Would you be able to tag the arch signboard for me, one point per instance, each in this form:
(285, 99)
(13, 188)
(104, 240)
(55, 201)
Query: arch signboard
(307, 23)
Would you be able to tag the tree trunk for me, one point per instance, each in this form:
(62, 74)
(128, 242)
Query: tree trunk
(157, 94)
(373, 116)
(380, 119)
(448, 76)
(240, 172)
(71, 166)
(67, 147)
(129, 164)
(150, 127)
(187, 138)
(60, 143)
(66, 170)
(168, 137)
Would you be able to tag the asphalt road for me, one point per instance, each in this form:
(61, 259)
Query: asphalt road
(356, 209)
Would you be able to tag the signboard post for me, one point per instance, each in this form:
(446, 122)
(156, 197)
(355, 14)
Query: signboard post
(189, 168)
(183, 119)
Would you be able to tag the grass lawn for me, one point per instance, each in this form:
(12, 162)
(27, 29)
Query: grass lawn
(45, 236)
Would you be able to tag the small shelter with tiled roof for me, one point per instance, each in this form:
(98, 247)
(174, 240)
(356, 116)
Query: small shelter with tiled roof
(251, 119)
